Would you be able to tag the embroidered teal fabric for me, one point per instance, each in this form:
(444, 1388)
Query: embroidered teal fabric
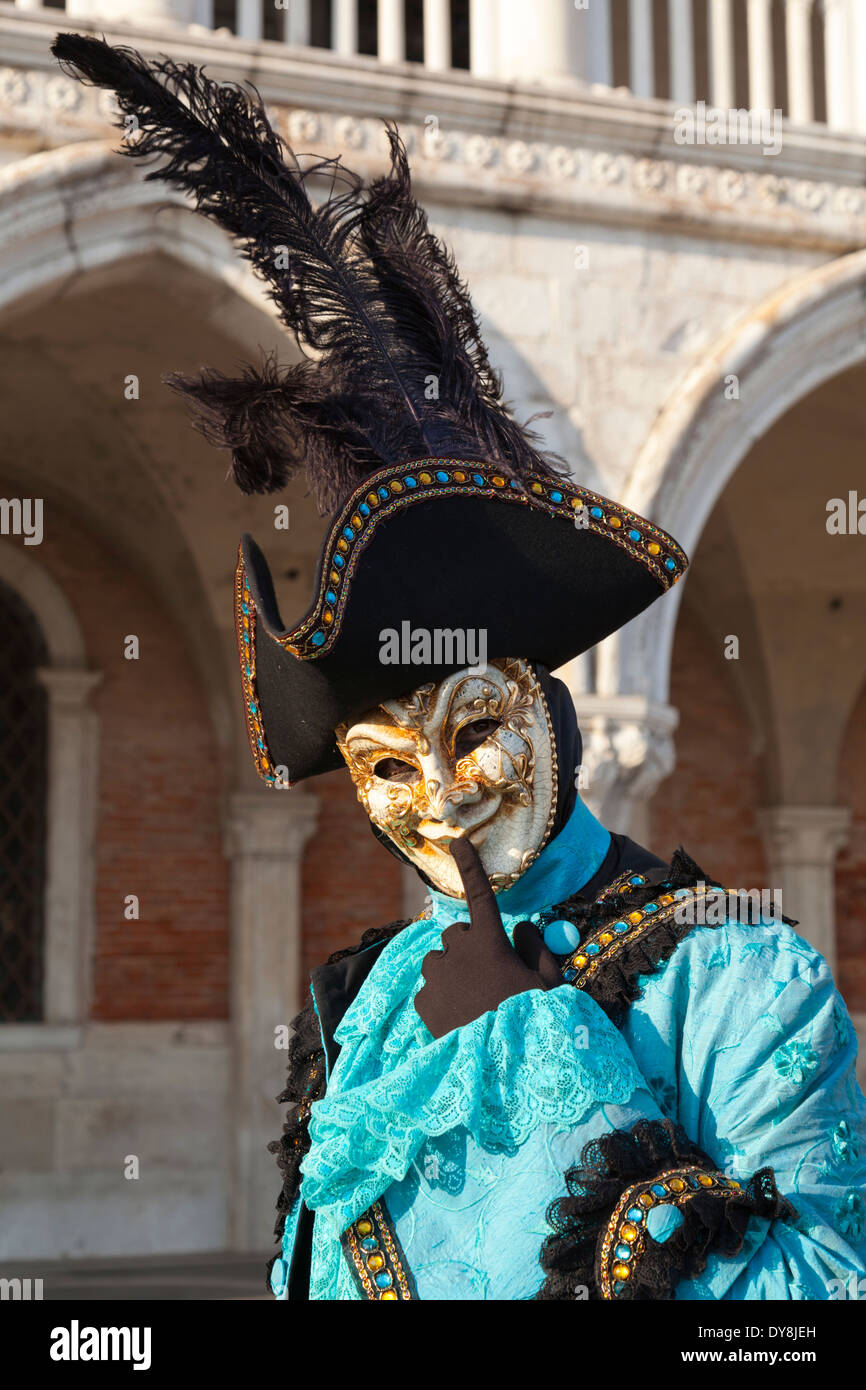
(741, 1037)
(499, 1077)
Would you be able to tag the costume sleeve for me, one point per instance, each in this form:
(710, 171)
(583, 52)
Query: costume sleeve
(748, 1045)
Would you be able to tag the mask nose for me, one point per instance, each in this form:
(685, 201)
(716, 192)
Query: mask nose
(444, 793)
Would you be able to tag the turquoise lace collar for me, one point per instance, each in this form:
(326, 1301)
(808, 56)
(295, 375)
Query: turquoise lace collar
(560, 870)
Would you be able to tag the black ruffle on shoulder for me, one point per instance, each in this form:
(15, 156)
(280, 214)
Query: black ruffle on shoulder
(713, 1221)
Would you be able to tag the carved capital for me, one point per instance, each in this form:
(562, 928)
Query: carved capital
(270, 824)
(628, 750)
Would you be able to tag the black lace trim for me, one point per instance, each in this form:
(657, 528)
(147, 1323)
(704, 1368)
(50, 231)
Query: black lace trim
(306, 1084)
(713, 1221)
(614, 987)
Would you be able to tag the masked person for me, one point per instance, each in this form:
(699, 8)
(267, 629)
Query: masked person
(558, 1082)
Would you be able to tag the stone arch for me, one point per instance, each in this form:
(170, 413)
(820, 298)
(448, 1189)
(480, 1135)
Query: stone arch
(81, 208)
(810, 330)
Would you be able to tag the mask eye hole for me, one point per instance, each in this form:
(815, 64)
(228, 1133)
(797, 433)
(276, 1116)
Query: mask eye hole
(396, 770)
(473, 734)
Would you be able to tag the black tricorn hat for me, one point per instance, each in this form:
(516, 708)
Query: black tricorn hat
(449, 522)
(426, 567)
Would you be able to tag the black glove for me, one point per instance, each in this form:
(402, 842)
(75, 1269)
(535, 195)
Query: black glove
(477, 966)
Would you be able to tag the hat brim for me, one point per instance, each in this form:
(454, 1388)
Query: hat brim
(544, 571)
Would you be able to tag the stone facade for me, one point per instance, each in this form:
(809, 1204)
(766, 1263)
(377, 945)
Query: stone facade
(694, 318)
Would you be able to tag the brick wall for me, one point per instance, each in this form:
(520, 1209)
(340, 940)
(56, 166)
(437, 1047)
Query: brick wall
(851, 864)
(350, 881)
(709, 802)
(158, 818)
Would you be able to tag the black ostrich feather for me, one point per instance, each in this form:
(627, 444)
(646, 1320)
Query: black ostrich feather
(395, 367)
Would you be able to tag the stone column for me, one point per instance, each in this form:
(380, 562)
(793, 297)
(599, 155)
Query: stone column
(681, 40)
(627, 751)
(802, 843)
(545, 43)
(265, 836)
(760, 36)
(837, 63)
(640, 55)
(296, 22)
(71, 807)
(798, 40)
(248, 19)
(345, 27)
(483, 38)
(156, 12)
(437, 35)
(722, 72)
(857, 71)
(392, 33)
(598, 43)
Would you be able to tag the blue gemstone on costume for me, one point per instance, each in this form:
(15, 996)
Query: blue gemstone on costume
(682, 892)
(515, 484)
(384, 493)
(410, 481)
(249, 672)
(592, 949)
(369, 1243)
(618, 1286)
(348, 533)
(659, 1189)
(620, 927)
(246, 637)
(596, 512)
(561, 937)
(245, 608)
(441, 477)
(635, 1214)
(330, 596)
(317, 638)
(634, 535)
(384, 1280)
(569, 974)
(623, 1252)
(364, 509)
(556, 497)
(279, 1277)
(670, 564)
(477, 478)
(339, 561)
(261, 745)
(253, 709)
(650, 907)
(638, 879)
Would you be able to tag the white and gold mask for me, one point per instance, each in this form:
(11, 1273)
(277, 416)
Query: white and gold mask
(474, 755)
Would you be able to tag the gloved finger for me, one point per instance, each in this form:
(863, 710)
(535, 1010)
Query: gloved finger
(480, 898)
(529, 945)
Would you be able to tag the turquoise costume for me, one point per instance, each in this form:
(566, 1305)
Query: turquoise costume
(740, 1037)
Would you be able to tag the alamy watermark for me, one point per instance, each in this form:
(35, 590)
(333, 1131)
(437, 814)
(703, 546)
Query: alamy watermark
(719, 905)
(22, 516)
(712, 125)
(438, 646)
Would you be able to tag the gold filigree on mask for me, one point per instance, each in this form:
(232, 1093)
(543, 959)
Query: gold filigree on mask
(488, 793)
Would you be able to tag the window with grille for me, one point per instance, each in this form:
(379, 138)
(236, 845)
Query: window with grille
(23, 745)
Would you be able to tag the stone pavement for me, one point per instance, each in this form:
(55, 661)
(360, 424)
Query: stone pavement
(220, 1275)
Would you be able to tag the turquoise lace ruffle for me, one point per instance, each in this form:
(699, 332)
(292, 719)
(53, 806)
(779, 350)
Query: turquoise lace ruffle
(541, 1057)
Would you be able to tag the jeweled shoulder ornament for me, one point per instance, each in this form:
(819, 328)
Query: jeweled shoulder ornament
(448, 518)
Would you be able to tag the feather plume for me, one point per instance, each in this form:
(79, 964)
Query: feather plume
(395, 367)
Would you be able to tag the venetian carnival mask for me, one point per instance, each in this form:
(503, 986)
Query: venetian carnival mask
(474, 755)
